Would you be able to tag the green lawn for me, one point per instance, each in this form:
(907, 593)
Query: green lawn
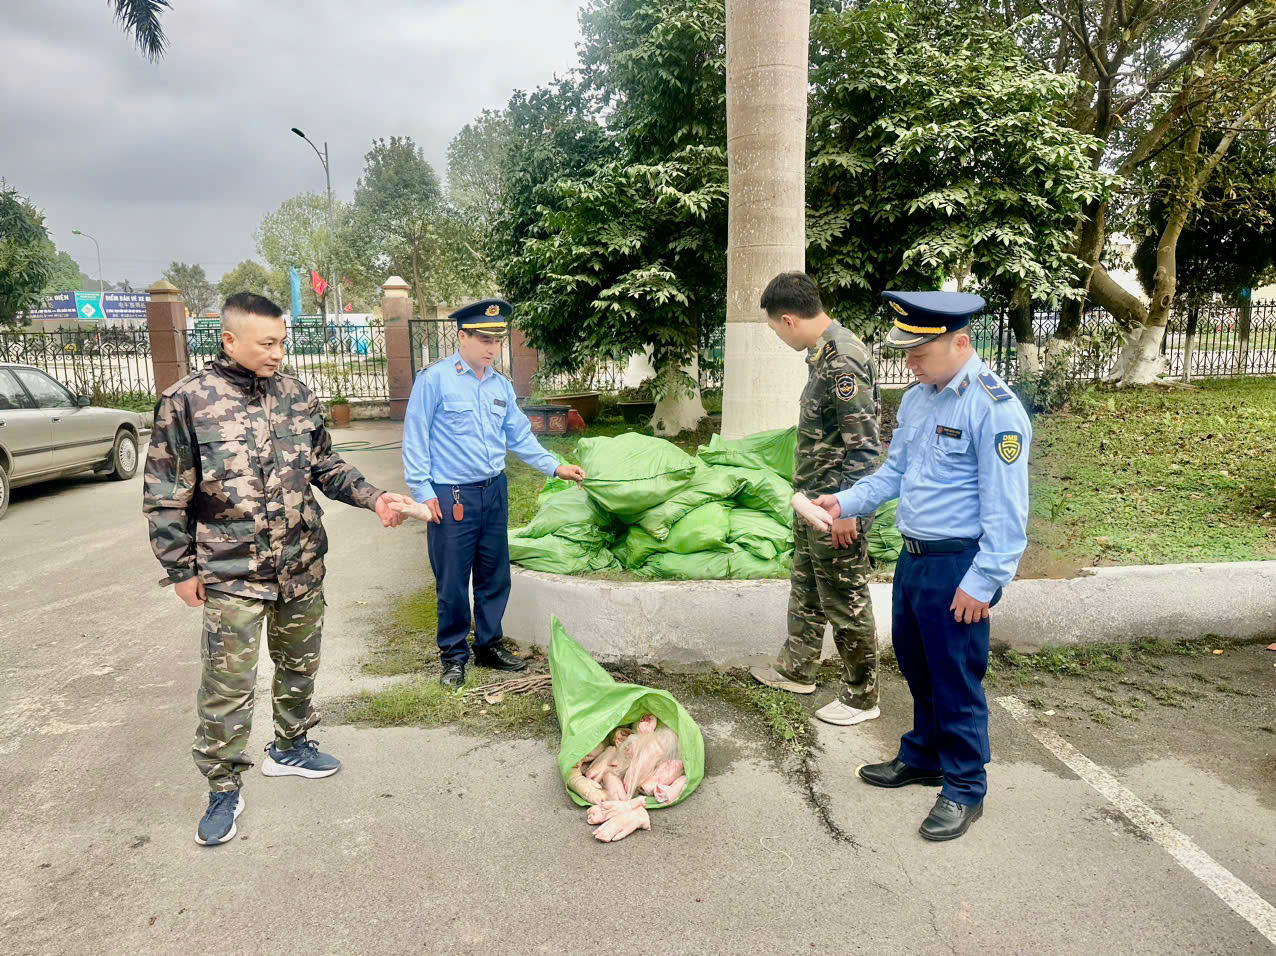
(1155, 476)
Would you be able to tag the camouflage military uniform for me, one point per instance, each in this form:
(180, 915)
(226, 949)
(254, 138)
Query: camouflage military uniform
(837, 444)
(228, 497)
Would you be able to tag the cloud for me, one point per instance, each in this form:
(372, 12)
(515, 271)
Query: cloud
(182, 159)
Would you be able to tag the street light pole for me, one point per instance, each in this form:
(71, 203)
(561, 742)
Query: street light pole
(76, 232)
(323, 158)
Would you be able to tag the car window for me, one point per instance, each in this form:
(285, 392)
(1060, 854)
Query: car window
(46, 392)
(11, 393)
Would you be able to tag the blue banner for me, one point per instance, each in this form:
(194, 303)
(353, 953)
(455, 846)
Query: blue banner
(294, 284)
(94, 306)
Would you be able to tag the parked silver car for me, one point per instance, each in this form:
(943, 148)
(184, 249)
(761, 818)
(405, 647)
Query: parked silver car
(47, 432)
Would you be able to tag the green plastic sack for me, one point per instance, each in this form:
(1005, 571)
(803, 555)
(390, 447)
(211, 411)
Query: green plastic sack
(554, 484)
(745, 566)
(566, 509)
(631, 473)
(707, 484)
(759, 533)
(704, 566)
(884, 540)
(772, 449)
(700, 529)
(590, 704)
(560, 555)
(764, 490)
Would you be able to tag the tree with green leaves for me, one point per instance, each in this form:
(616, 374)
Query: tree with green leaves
(65, 275)
(252, 276)
(476, 158)
(625, 252)
(140, 19)
(27, 258)
(297, 234)
(197, 292)
(943, 150)
(401, 223)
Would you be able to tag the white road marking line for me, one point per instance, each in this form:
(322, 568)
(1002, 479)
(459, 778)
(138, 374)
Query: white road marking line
(1244, 901)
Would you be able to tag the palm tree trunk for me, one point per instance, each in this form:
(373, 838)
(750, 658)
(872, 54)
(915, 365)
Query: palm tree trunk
(766, 232)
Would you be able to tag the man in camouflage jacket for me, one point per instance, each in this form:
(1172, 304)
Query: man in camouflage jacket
(837, 444)
(233, 520)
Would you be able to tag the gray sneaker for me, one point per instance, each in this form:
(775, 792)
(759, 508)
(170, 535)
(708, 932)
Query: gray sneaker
(302, 759)
(218, 823)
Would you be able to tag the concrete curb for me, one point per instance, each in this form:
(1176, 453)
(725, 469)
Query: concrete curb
(731, 623)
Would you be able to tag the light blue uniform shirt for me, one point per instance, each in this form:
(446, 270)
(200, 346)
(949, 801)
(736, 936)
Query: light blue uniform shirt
(958, 463)
(457, 429)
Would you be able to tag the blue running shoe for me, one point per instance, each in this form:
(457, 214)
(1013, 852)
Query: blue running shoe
(302, 759)
(218, 823)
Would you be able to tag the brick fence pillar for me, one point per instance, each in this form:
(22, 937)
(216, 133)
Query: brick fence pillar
(526, 360)
(396, 311)
(166, 321)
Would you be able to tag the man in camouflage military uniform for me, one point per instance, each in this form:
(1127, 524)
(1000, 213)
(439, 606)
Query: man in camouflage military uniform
(837, 443)
(234, 521)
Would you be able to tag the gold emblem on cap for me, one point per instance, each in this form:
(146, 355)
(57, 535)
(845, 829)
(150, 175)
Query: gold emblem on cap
(493, 310)
(898, 308)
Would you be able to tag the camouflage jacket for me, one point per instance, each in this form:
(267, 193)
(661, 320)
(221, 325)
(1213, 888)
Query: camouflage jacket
(228, 482)
(838, 441)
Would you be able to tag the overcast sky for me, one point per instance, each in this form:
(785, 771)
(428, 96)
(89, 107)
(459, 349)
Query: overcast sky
(182, 159)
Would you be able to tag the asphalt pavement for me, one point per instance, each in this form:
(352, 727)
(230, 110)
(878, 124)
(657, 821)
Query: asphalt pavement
(433, 841)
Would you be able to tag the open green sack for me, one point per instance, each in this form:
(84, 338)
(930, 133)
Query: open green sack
(590, 704)
(884, 540)
(770, 449)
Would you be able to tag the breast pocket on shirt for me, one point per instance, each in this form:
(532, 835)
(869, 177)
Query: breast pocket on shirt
(950, 458)
(459, 418)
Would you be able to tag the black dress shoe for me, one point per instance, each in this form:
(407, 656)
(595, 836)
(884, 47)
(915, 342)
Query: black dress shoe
(949, 820)
(498, 658)
(896, 773)
(453, 674)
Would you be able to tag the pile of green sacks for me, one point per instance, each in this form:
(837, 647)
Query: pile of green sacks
(650, 508)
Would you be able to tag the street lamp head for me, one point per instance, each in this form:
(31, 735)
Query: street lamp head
(76, 232)
(299, 132)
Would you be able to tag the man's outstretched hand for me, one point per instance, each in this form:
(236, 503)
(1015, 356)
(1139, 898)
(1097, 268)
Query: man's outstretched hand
(406, 507)
(391, 517)
(570, 473)
(191, 591)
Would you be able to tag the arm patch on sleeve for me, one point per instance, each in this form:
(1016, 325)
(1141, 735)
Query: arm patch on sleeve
(846, 387)
(1008, 445)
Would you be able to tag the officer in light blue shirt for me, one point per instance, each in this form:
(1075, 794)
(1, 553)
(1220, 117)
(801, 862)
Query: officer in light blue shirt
(461, 419)
(958, 463)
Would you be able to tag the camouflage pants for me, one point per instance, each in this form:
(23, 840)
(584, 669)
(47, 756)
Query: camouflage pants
(830, 586)
(231, 641)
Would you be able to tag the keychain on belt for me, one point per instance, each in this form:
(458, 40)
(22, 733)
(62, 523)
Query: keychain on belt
(458, 509)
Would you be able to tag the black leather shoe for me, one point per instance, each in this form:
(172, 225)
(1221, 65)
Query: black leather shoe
(453, 674)
(896, 773)
(949, 820)
(498, 658)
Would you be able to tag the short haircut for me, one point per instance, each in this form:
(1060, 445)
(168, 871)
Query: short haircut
(247, 303)
(794, 293)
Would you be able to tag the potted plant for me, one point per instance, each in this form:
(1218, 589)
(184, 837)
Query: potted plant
(579, 394)
(637, 403)
(339, 404)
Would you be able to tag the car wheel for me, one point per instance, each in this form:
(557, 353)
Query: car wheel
(4, 491)
(124, 456)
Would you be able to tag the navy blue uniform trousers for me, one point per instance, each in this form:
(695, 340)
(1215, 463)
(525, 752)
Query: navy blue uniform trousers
(478, 544)
(944, 663)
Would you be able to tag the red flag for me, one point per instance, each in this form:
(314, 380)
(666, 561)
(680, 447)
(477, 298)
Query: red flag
(349, 307)
(317, 283)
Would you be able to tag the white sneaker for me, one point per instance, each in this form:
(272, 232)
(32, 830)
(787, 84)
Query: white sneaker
(773, 678)
(835, 712)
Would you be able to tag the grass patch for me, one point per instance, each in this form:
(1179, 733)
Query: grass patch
(1008, 668)
(785, 721)
(425, 702)
(408, 642)
(1155, 476)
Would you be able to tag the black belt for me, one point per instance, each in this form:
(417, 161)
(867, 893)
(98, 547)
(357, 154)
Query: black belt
(942, 546)
(484, 483)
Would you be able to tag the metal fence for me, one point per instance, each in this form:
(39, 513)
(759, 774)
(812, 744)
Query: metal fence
(434, 339)
(333, 358)
(98, 362)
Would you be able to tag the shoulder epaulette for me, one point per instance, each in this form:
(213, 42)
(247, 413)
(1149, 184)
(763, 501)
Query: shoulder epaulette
(181, 383)
(994, 387)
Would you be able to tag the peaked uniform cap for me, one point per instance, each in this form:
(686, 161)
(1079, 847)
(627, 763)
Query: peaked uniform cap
(489, 316)
(921, 317)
